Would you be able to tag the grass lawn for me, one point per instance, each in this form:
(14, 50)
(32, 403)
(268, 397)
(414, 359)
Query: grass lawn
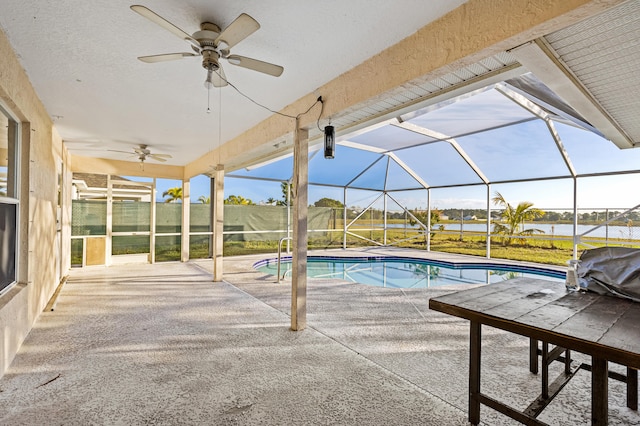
(543, 251)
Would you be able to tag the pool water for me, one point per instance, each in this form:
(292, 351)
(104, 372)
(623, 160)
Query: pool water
(408, 273)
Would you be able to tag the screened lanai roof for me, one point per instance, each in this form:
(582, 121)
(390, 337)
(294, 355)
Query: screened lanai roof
(515, 130)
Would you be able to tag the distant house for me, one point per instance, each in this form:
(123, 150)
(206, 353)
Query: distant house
(89, 186)
(470, 217)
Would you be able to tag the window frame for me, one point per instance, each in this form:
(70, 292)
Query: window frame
(12, 196)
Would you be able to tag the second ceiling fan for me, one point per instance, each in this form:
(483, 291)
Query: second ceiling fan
(212, 44)
(142, 152)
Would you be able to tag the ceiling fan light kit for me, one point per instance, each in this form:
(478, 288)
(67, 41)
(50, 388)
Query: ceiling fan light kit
(212, 44)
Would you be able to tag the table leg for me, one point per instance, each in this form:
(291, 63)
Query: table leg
(567, 362)
(533, 356)
(599, 391)
(474, 373)
(545, 370)
(632, 388)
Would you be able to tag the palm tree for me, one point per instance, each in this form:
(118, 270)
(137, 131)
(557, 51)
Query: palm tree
(271, 201)
(238, 200)
(204, 199)
(174, 194)
(513, 219)
(284, 187)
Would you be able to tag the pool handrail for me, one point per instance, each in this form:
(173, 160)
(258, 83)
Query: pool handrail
(283, 239)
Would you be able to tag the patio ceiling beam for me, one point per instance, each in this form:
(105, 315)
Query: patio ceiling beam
(81, 164)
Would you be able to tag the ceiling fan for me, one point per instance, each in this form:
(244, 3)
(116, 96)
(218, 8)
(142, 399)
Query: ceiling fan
(212, 44)
(143, 152)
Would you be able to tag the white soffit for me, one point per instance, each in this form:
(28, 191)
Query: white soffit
(593, 65)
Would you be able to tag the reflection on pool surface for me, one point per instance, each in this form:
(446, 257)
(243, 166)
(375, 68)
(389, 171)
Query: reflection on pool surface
(408, 272)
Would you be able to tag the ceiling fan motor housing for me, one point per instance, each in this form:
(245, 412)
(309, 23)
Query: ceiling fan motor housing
(207, 35)
(210, 59)
(207, 39)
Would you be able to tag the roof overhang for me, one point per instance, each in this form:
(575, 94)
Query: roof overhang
(592, 65)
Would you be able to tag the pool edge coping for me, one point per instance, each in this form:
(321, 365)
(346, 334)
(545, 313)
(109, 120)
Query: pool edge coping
(476, 264)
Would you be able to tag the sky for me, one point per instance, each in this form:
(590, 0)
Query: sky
(510, 149)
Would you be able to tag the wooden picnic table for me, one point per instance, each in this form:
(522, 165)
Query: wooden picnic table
(605, 327)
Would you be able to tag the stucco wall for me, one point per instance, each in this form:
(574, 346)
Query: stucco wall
(40, 263)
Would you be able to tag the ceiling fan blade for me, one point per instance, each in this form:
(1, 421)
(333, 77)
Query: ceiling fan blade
(159, 20)
(157, 157)
(256, 65)
(166, 57)
(238, 30)
(122, 152)
(161, 155)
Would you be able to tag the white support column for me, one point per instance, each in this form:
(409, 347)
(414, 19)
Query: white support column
(152, 224)
(288, 217)
(576, 238)
(384, 220)
(429, 220)
(218, 221)
(344, 220)
(300, 237)
(186, 206)
(108, 242)
(212, 224)
(488, 221)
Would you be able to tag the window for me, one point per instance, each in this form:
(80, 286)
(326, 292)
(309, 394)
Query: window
(8, 199)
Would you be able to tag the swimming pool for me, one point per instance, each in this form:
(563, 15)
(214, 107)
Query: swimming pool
(402, 272)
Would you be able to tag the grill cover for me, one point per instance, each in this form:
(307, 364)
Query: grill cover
(611, 270)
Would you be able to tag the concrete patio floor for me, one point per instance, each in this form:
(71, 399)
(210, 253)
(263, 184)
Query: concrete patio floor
(163, 344)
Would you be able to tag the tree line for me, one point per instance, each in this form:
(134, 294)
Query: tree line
(595, 216)
(547, 215)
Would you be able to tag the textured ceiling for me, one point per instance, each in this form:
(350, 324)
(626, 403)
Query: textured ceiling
(81, 59)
